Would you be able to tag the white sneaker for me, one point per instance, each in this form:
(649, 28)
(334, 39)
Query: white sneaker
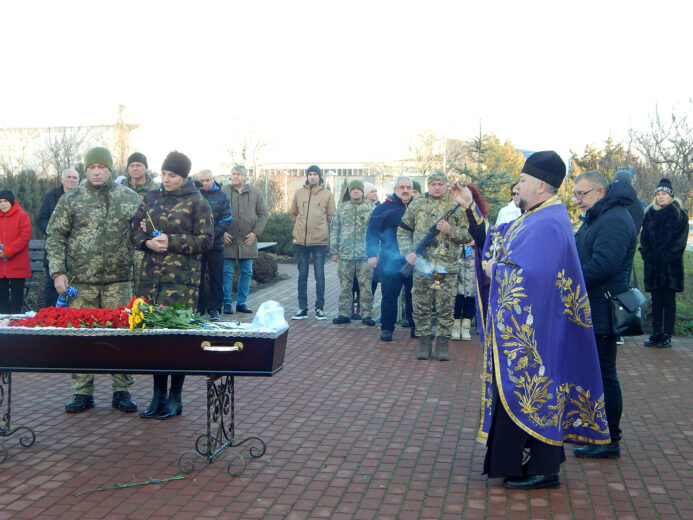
(319, 315)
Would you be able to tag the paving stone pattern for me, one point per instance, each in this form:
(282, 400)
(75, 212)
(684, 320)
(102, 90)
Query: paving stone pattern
(356, 428)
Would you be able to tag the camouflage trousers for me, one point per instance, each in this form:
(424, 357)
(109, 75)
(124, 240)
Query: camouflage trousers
(108, 296)
(169, 293)
(423, 298)
(347, 270)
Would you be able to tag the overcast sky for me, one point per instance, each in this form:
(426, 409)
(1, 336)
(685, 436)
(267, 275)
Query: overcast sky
(344, 81)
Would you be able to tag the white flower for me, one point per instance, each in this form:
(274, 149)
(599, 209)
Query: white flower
(541, 370)
(530, 320)
(517, 309)
(577, 423)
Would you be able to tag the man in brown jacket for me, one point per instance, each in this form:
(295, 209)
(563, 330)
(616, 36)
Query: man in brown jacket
(240, 241)
(312, 208)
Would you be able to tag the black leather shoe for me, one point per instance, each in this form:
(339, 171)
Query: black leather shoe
(386, 335)
(172, 407)
(341, 319)
(244, 308)
(406, 324)
(599, 451)
(368, 321)
(79, 403)
(356, 316)
(228, 309)
(653, 340)
(156, 406)
(533, 482)
(123, 402)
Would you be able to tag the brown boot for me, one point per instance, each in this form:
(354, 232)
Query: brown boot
(425, 346)
(442, 348)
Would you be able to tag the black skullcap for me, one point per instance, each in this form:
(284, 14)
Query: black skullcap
(546, 166)
(177, 163)
(7, 195)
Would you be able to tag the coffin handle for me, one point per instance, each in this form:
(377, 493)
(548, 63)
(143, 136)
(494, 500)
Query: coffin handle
(236, 347)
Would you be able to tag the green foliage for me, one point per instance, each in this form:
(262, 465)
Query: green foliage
(493, 167)
(264, 268)
(279, 229)
(29, 189)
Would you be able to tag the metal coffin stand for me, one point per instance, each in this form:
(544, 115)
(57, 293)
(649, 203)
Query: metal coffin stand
(217, 354)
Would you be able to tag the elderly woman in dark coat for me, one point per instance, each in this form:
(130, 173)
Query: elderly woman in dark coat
(662, 244)
(171, 266)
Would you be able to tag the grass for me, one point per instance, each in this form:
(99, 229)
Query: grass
(684, 300)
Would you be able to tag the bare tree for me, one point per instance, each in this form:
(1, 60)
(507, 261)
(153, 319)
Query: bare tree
(667, 151)
(63, 147)
(427, 152)
(15, 144)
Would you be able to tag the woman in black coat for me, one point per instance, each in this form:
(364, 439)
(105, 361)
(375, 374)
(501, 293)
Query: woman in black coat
(662, 244)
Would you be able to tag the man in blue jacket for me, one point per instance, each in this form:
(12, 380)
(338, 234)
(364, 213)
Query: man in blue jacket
(213, 260)
(382, 251)
(606, 245)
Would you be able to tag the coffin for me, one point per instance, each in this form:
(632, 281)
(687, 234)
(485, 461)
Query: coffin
(210, 352)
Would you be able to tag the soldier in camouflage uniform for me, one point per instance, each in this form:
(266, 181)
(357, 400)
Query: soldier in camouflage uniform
(140, 181)
(172, 261)
(348, 248)
(88, 247)
(422, 213)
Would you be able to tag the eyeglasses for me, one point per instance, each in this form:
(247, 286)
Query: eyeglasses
(515, 194)
(580, 195)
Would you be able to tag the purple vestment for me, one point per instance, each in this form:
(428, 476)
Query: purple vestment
(537, 333)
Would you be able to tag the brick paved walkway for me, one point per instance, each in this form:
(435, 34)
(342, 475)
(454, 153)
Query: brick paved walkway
(355, 428)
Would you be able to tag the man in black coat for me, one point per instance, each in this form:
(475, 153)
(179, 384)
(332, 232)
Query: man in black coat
(383, 252)
(213, 260)
(69, 178)
(606, 245)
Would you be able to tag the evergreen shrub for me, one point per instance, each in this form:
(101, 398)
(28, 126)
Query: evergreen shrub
(279, 229)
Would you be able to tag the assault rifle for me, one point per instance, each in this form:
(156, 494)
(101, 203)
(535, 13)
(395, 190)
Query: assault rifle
(426, 242)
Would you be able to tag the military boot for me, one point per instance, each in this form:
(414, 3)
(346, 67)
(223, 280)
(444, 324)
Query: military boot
(442, 348)
(425, 345)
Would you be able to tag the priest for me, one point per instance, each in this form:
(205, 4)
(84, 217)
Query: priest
(541, 383)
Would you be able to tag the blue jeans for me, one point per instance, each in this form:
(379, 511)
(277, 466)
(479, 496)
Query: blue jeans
(246, 273)
(303, 258)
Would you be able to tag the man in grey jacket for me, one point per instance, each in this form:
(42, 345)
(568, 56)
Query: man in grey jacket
(240, 241)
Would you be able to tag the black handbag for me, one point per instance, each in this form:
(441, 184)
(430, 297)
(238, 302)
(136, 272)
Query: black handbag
(626, 316)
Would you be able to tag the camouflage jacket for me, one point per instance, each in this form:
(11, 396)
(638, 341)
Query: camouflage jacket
(422, 213)
(89, 234)
(141, 189)
(185, 216)
(348, 230)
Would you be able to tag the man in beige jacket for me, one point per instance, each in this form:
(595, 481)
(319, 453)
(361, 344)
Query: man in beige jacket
(312, 209)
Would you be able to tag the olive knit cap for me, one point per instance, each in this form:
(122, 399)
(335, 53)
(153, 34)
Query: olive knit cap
(138, 157)
(355, 184)
(437, 175)
(98, 155)
(416, 186)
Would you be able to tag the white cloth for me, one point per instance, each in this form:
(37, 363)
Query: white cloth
(508, 213)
